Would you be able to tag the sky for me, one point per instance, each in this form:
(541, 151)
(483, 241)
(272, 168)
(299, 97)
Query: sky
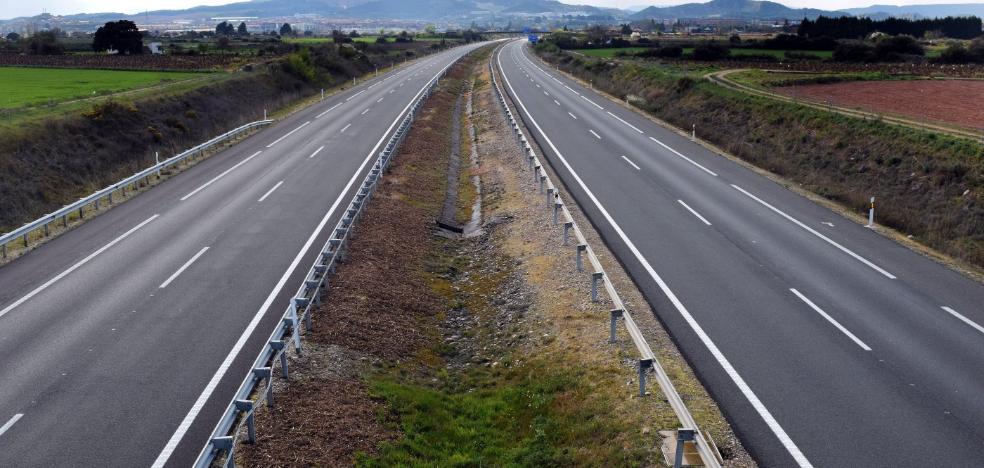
(15, 8)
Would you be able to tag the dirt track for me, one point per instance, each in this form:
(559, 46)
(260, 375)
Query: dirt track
(957, 102)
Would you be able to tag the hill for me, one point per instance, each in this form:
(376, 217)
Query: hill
(738, 9)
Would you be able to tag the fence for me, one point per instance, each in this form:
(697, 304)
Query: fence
(63, 213)
(689, 432)
(259, 381)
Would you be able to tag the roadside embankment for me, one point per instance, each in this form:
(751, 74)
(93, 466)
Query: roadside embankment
(49, 161)
(930, 186)
(484, 349)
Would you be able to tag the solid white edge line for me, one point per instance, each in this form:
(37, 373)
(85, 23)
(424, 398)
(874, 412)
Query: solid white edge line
(592, 102)
(206, 184)
(278, 140)
(695, 213)
(630, 162)
(316, 151)
(633, 127)
(189, 418)
(963, 318)
(815, 233)
(76, 266)
(752, 398)
(344, 128)
(595, 134)
(831, 320)
(265, 195)
(10, 423)
(183, 268)
(327, 111)
(691, 161)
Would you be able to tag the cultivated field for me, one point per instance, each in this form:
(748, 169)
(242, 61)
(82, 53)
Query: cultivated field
(26, 86)
(956, 102)
(735, 52)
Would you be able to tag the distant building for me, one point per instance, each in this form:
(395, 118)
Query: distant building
(155, 48)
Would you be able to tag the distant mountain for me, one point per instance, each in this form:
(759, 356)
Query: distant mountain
(427, 10)
(928, 11)
(738, 9)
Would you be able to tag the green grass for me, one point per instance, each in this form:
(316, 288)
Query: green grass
(27, 86)
(533, 415)
(736, 52)
(761, 79)
(779, 54)
(609, 52)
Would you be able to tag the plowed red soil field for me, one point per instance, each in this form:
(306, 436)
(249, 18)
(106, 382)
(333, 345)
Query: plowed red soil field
(956, 102)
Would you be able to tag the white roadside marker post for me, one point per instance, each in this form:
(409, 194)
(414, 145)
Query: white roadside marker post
(157, 161)
(693, 133)
(871, 214)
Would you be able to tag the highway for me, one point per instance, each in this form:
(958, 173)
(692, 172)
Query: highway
(122, 341)
(825, 343)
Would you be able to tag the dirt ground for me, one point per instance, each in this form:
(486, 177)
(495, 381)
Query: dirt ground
(956, 102)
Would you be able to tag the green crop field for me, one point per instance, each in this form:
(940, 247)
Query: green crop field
(736, 52)
(609, 52)
(26, 86)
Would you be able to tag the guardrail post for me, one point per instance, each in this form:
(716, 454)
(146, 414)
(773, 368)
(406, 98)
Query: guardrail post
(615, 315)
(278, 347)
(556, 219)
(247, 407)
(46, 230)
(225, 443)
(550, 192)
(536, 173)
(295, 327)
(4, 249)
(65, 221)
(82, 212)
(25, 239)
(567, 229)
(577, 256)
(264, 373)
(644, 365)
(684, 435)
(596, 277)
(543, 180)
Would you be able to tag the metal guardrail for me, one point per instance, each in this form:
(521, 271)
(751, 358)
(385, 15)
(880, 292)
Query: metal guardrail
(647, 359)
(43, 222)
(259, 380)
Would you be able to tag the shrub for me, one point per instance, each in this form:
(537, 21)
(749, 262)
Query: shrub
(854, 51)
(711, 51)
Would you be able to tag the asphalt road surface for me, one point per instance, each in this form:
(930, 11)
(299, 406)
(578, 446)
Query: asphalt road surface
(825, 343)
(122, 341)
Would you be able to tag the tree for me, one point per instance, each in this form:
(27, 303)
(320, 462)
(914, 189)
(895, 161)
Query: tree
(223, 42)
(44, 43)
(13, 37)
(430, 29)
(121, 35)
(225, 29)
(354, 33)
(625, 29)
(241, 30)
(285, 30)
